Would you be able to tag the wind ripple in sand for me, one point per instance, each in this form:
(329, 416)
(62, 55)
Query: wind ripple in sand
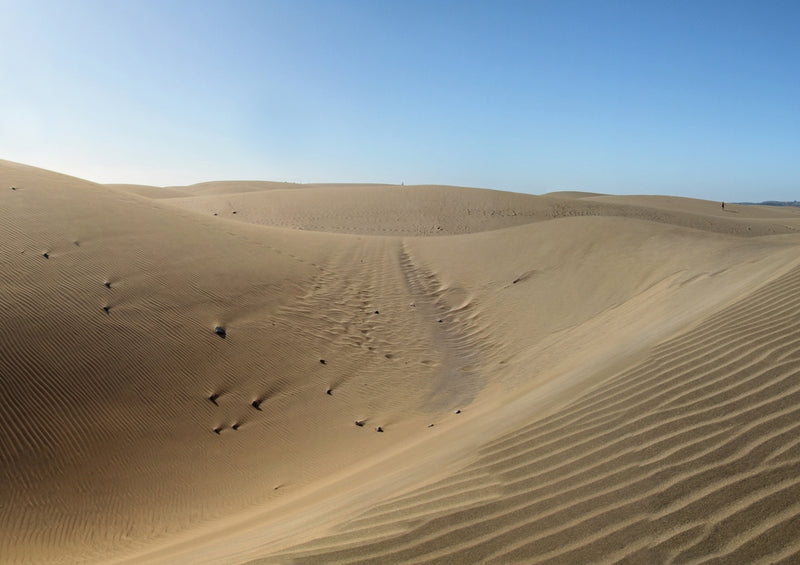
(109, 451)
(689, 456)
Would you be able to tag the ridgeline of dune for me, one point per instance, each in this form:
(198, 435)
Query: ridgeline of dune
(268, 372)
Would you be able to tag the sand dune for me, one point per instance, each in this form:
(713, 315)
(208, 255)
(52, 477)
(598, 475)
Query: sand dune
(446, 210)
(562, 378)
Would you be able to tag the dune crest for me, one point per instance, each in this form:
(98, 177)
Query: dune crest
(261, 372)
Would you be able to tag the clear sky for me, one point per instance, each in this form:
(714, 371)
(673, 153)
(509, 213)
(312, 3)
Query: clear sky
(693, 98)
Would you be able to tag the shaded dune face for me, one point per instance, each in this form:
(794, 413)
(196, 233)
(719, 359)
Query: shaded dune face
(566, 378)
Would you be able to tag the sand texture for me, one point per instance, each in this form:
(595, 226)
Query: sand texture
(265, 372)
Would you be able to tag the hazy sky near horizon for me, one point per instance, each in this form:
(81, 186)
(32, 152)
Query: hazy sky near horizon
(691, 98)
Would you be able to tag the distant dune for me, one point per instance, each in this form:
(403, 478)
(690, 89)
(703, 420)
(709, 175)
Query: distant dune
(265, 372)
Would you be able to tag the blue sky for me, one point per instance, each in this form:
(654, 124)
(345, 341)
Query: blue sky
(691, 98)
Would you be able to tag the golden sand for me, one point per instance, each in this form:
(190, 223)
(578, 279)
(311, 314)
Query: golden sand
(567, 378)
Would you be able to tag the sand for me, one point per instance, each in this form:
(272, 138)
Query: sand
(565, 378)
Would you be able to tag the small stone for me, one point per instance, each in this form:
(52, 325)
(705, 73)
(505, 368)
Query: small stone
(220, 331)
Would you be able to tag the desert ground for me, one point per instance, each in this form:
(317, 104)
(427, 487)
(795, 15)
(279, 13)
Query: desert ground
(265, 372)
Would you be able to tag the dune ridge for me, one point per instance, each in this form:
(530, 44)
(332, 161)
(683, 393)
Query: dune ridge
(570, 377)
(371, 209)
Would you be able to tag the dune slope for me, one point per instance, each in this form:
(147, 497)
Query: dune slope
(688, 456)
(555, 378)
